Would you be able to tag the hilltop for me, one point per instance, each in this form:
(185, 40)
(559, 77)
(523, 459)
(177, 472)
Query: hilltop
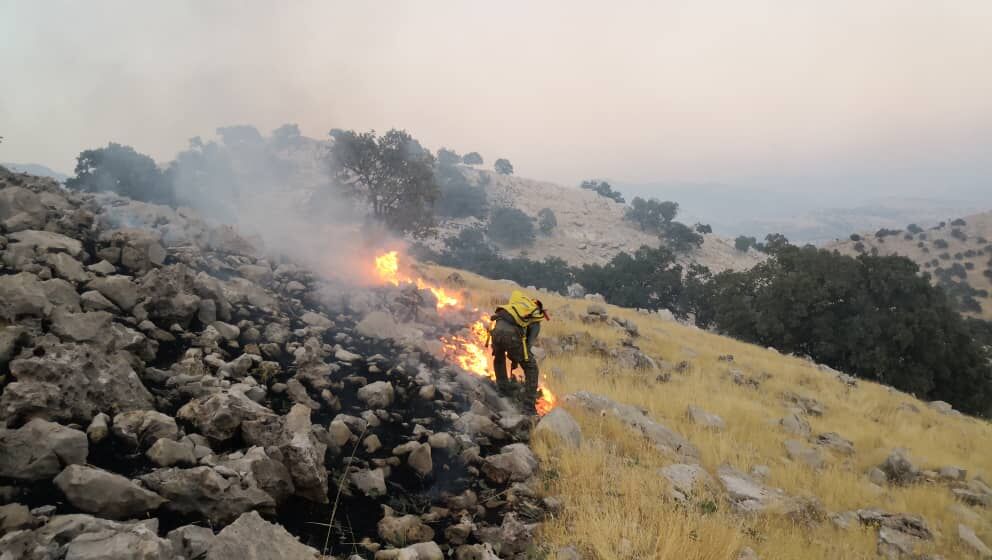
(591, 228)
(957, 254)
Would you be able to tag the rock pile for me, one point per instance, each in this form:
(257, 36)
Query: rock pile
(158, 377)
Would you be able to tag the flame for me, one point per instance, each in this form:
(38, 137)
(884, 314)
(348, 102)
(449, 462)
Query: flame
(469, 350)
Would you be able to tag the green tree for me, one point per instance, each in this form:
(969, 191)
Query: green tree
(651, 214)
(604, 189)
(503, 167)
(510, 227)
(457, 197)
(546, 221)
(393, 172)
(472, 158)
(743, 243)
(448, 157)
(775, 242)
(871, 316)
(120, 169)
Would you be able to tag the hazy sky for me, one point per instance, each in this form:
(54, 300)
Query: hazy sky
(877, 95)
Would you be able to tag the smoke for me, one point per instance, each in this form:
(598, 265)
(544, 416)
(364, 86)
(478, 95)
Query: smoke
(278, 190)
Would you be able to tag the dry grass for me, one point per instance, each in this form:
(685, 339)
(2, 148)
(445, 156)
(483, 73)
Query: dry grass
(615, 504)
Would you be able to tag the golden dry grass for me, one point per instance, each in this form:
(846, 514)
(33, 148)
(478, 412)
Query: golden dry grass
(615, 504)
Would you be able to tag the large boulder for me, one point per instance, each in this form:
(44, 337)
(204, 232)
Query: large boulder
(269, 474)
(664, 439)
(377, 395)
(303, 453)
(21, 209)
(81, 327)
(136, 249)
(23, 295)
(205, 492)
(49, 384)
(169, 295)
(514, 463)
(105, 494)
(250, 537)
(219, 416)
(685, 479)
(561, 424)
(83, 537)
(117, 288)
(31, 245)
(899, 468)
(39, 450)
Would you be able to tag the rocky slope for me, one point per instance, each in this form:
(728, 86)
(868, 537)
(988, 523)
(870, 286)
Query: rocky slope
(591, 228)
(168, 392)
(957, 255)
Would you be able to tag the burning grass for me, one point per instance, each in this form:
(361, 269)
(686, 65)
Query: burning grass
(614, 504)
(469, 350)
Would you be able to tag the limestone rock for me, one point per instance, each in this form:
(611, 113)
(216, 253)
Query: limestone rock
(560, 423)
(377, 395)
(705, 419)
(142, 428)
(401, 530)
(372, 483)
(663, 438)
(975, 544)
(250, 536)
(105, 494)
(685, 479)
(49, 381)
(799, 451)
(303, 454)
(219, 416)
(39, 450)
(204, 491)
(898, 467)
(118, 289)
(514, 463)
(420, 459)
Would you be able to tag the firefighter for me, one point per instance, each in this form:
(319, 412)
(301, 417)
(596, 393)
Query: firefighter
(516, 326)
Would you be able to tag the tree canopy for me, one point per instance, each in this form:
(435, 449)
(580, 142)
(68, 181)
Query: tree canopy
(503, 167)
(602, 188)
(511, 227)
(120, 169)
(871, 316)
(393, 172)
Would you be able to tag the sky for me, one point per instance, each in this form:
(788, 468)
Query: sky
(881, 97)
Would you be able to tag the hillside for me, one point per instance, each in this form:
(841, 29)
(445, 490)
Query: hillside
(784, 423)
(237, 403)
(958, 257)
(591, 228)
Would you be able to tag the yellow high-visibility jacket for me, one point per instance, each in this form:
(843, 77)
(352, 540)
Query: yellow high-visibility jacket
(523, 310)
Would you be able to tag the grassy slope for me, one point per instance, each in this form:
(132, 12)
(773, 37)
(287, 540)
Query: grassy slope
(615, 505)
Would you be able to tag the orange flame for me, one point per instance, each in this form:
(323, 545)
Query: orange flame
(470, 350)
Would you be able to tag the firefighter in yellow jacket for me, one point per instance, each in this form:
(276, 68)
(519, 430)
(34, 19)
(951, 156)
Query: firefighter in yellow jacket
(515, 329)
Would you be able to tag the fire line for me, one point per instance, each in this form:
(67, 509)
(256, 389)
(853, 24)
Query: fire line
(469, 350)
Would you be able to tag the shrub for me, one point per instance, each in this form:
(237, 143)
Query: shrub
(944, 256)
(651, 214)
(510, 227)
(958, 256)
(913, 228)
(969, 266)
(940, 243)
(859, 247)
(959, 222)
(704, 229)
(958, 234)
(602, 188)
(855, 237)
(908, 237)
(546, 221)
(883, 233)
(921, 244)
(448, 157)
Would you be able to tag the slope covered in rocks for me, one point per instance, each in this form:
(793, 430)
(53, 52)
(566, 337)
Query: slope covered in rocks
(956, 253)
(591, 228)
(169, 391)
(689, 445)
